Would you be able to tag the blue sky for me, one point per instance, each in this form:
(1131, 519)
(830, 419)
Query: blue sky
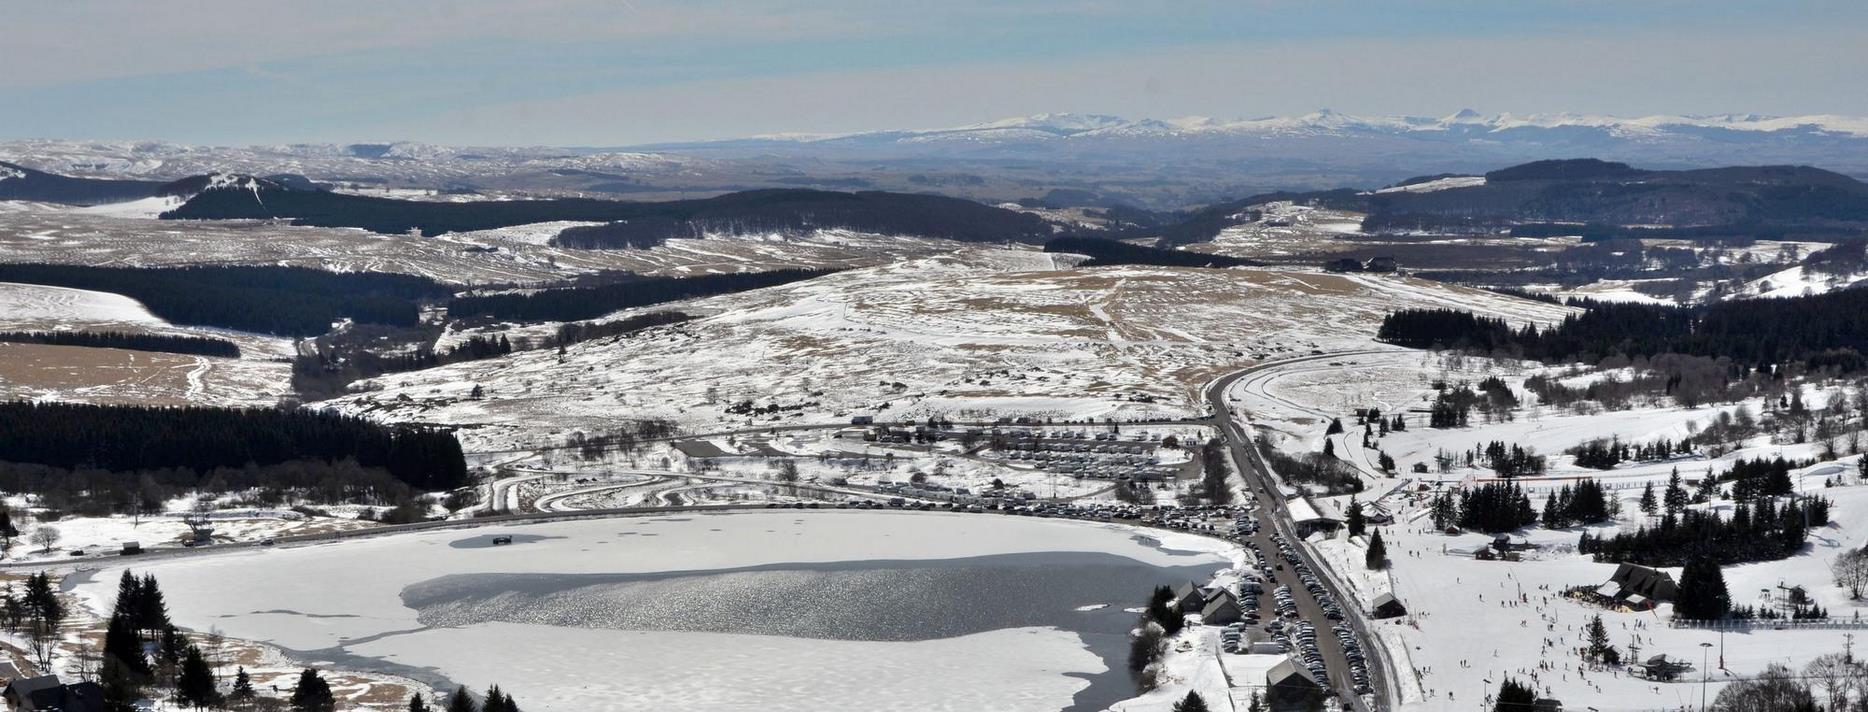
(578, 72)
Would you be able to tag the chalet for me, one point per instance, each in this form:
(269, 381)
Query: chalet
(1221, 609)
(1381, 264)
(1308, 520)
(1387, 606)
(1636, 586)
(1505, 543)
(1288, 686)
(863, 420)
(1190, 597)
(46, 694)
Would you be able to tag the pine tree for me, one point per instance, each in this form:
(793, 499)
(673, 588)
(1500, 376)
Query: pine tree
(1701, 594)
(1675, 499)
(312, 694)
(1598, 640)
(416, 704)
(195, 686)
(1514, 696)
(129, 595)
(122, 687)
(1377, 556)
(495, 701)
(1329, 448)
(152, 613)
(1354, 520)
(1193, 702)
(242, 686)
(1336, 426)
(462, 702)
(123, 646)
(1648, 503)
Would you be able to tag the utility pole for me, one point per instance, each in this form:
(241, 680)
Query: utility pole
(1704, 674)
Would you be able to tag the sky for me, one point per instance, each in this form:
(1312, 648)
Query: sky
(632, 72)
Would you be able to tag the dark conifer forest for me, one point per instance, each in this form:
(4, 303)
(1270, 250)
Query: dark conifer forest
(128, 438)
(1821, 331)
(290, 301)
(165, 343)
(1113, 252)
(643, 223)
(575, 303)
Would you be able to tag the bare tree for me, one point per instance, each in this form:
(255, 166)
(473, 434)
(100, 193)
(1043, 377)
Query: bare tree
(1830, 674)
(1851, 572)
(46, 536)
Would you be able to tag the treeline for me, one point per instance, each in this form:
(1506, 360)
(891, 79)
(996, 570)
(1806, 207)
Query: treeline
(1761, 477)
(94, 492)
(1103, 251)
(292, 301)
(1452, 406)
(1760, 532)
(1821, 331)
(575, 332)
(575, 303)
(637, 235)
(129, 438)
(1583, 503)
(163, 343)
(776, 210)
(1494, 507)
(1606, 453)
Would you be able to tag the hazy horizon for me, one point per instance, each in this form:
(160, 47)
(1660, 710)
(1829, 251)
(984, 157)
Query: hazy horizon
(585, 73)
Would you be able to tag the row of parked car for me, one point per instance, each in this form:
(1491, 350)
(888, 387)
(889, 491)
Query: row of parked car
(1312, 582)
(1304, 638)
(1358, 662)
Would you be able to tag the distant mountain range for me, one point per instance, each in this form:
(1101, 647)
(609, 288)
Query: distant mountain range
(1465, 124)
(1069, 159)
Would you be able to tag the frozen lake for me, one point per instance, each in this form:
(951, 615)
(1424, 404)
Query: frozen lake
(778, 610)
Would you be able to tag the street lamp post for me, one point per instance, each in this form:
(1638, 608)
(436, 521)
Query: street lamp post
(1704, 674)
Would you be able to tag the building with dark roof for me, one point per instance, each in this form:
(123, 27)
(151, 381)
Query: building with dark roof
(1636, 586)
(1288, 686)
(45, 694)
(1221, 609)
(1387, 606)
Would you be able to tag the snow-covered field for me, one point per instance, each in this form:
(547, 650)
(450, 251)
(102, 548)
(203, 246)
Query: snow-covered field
(1472, 621)
(98, 375)
(122, 236)
(981, 334)
(356, 612)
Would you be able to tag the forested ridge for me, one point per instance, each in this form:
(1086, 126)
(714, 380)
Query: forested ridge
(163, 343)
(129, 438)
(291, 301)
(647, 223)
(1826, 330)
(1103, 251)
